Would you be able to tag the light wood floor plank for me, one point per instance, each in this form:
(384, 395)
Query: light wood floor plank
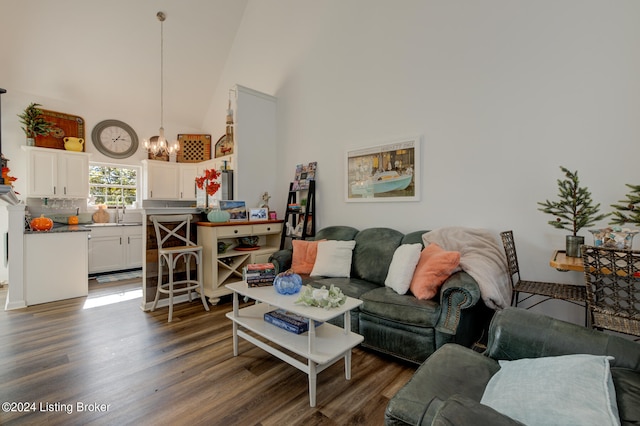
(153, 372)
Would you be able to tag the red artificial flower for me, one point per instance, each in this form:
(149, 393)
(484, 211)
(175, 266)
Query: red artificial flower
(208, 181)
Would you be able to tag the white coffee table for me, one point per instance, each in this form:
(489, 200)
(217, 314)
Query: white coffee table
(321, 346)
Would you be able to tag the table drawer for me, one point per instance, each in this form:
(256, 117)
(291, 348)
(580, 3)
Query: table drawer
(267, 228)
(234, 231)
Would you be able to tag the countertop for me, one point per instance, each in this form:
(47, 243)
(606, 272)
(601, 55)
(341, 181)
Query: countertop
(58, 228)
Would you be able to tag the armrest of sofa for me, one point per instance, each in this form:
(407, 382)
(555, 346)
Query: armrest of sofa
(460, 291)
(461, 410)
(281, 259)
(517, 333)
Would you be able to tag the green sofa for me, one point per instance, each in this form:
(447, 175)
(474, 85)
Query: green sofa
(399, 325)
(448, 387)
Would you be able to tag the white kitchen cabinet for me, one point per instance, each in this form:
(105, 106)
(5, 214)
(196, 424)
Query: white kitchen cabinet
(54, 173)
(225, 268)
(113, 248)
(168, 181)
(188, 174)
(160, 180)
(132, 236)
(55, 266)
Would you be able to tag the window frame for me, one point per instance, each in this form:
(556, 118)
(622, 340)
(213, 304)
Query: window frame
(136, 168)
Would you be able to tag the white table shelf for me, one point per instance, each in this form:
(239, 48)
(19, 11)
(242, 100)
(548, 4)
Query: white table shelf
(322, 345)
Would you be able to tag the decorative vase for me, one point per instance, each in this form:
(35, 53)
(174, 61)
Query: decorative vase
(31, 141)
(573, 243)
(287, 282)
(218, 216)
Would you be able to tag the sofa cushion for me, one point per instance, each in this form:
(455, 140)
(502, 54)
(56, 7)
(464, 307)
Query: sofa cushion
(434, 267)
(567, 389)
(385, 303)
(333, 259)
(373, 253)
(304, 256)
(352, 287)
(627, 383)
(402, 266)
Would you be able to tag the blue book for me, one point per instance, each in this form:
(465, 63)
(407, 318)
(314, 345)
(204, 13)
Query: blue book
(288, 321)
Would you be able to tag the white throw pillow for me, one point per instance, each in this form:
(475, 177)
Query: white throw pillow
(561, 390)
(333, 259)
(402, 267)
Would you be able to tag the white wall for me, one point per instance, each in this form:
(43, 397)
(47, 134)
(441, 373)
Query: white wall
(503, 93)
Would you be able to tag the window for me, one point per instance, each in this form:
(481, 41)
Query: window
(113, 184)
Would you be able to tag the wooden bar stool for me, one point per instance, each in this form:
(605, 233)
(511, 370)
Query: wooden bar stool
(171, 248)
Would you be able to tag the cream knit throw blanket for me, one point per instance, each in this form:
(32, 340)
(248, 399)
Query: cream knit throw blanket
(481, 257)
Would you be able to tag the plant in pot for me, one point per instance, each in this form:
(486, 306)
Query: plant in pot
(34, 124)
(573, 211)
(209, 183)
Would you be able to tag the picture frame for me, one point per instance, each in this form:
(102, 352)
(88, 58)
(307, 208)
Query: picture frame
(304, 174)
(258, 214)
(389, 172)
(237, 210)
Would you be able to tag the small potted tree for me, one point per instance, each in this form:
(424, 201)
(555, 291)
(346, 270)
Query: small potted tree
(573, 211)
(34, 123)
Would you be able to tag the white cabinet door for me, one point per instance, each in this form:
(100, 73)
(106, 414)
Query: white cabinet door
(188, 176)
(105, 253)
(43, 174)
(162, 181)
(73, 175)
(133, 254)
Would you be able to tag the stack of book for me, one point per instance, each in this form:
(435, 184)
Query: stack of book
(259, 274)
(288, 321)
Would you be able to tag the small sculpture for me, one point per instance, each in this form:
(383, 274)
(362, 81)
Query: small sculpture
(265, 201)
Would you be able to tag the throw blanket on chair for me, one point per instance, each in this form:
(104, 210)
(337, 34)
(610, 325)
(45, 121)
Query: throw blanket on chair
(481, 257)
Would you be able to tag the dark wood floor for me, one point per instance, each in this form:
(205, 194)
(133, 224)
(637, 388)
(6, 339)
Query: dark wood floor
(145, 371)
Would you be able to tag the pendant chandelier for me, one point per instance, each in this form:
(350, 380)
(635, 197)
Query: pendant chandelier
(158, 145)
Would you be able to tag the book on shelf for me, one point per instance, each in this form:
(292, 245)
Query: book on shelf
(260, 282)
(289, 321)
(259, 275)
(261, 267)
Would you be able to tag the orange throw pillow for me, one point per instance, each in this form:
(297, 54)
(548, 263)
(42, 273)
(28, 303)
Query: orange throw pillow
(304, 256)
(434, 267)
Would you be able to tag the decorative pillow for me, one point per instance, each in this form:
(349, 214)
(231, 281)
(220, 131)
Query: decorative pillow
(304, 256)
(434, 267)
(404, 262)
(333, 259)
(561, 390)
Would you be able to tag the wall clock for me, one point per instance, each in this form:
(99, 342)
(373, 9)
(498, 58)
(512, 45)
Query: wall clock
(115, 139)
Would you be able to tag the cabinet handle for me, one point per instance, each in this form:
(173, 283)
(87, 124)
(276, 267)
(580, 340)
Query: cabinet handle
(65, 190)
(120, 240)
(268, 228)
(54, 190)
(128, 240)
(235, 231)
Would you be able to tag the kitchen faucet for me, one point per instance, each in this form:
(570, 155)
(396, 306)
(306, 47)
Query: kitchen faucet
(120, 199)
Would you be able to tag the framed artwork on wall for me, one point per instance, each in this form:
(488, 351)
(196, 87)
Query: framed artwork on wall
(389, 172)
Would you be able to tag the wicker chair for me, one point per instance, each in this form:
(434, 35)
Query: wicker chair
(612, 278)
(575, 294)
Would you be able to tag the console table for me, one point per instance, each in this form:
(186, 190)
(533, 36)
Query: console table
(226, 267)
